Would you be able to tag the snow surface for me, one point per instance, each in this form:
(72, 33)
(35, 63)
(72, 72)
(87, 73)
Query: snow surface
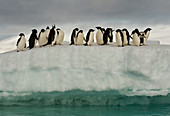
(145, 70)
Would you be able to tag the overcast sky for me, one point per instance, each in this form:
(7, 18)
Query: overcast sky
(21, 15)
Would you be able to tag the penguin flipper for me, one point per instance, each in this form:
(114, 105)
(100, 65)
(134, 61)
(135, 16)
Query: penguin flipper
(18, 41)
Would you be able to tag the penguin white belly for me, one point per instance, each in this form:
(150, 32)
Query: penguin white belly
(47, 32)
(118, 39)
(21, 44)
(99, 37)
(80, 39)
(91, 39)
(136, 40)
(125, 38)
(147, 35)
(144, 41)
(60, 37)
(42, 39)
(35, 43)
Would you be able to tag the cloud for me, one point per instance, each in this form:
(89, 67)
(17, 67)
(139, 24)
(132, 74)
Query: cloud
(26, 13)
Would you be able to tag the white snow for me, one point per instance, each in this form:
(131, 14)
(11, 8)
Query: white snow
(65, 67)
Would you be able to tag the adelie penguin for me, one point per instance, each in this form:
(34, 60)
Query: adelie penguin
(99, 35)
(119, 38)
(52, 35)
(146, 34)
(21, 43)
(74, 36)
(107, 36)
(47, 32)
(42, 38)
(126, 36)
(33, 39)
(89, 38)
(80, 38)
(60, 37)
(136, 37)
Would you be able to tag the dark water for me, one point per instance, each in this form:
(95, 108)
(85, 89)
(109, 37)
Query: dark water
(82, 103)
(159, 110)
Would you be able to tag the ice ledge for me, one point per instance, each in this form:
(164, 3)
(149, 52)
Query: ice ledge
(79, 67)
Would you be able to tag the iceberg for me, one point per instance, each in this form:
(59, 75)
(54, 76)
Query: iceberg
(132, 71)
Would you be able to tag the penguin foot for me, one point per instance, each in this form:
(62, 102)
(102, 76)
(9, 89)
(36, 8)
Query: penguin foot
(85, 44)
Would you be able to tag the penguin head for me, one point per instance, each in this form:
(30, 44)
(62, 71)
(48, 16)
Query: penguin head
(21, 34)
(81, 31)
(136, 31)
(53, 27)
(91, 30)
(124, 29)
(58, 29)
(99, 27)
(148, 29)
(47, 27)
(118, 30)
(34, 31)
(76, 29)
(42, 30)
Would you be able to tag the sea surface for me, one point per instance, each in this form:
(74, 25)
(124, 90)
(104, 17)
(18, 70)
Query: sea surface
(82, 103)
(133, 110)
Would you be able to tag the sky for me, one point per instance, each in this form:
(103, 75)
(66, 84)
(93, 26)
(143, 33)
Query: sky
(23, 15)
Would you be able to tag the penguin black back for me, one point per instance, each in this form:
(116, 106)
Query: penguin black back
(32, 38)
(51, 35)
(73, 35)
(107, 35)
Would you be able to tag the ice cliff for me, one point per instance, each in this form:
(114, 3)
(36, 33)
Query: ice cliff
(145, 70)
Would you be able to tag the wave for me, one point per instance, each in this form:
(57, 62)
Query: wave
(79, 98)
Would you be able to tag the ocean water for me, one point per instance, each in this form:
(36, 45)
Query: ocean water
(151, 110)
(82, 103)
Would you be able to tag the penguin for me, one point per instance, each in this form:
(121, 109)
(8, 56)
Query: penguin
(42, 38)
(135, 35)
(126, 36)
(47, 32)
(119, 38)
(21, 43)
(73, 36)
(80, 38)
(52, 35)
(147, 32)
(33, 39)
(99, 35)
(89, 37)
(59, 38)
(107, 36)
(142, 38)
